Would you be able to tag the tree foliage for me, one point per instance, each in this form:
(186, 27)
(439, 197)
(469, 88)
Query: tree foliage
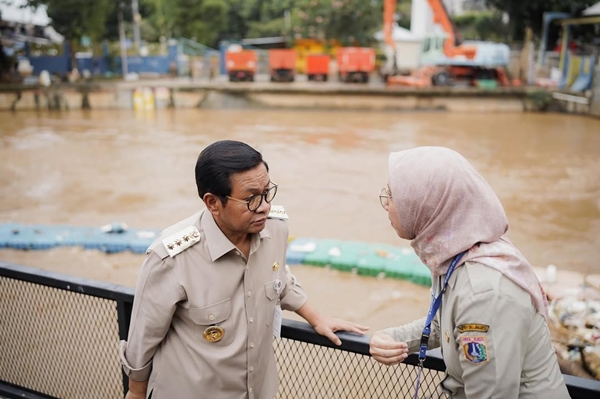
(530, 12)
(267, 17)
(199, 20)
(77, 18)
(347, 21)
(158, 19)
(487, 26)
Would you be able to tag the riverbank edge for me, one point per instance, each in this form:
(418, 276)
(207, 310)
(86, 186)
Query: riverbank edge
(160, 94)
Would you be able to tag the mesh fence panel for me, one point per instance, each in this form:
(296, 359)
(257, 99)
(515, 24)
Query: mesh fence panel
(64, 344)
(312, 372)
(57, 342)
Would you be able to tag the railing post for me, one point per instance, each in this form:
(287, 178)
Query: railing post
(124, 314)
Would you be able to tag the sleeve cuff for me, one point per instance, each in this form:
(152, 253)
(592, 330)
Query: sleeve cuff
(139, 374)
(294, 299)
(399, 335)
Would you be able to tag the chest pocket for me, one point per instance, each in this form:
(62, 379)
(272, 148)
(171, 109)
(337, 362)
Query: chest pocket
(271, 297)
(217, 314)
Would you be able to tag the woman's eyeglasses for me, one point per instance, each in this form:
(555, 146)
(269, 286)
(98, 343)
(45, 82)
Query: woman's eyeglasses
(384, 197)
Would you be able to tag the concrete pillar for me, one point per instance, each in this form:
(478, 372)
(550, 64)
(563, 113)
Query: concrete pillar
(421, 18)
(595, 105)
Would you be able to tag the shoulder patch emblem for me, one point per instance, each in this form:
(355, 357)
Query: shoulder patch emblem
(473, 327)
(278, 212)
(182, 240)
(475, 349)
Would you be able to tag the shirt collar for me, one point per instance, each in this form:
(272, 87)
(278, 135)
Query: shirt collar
(218, 244)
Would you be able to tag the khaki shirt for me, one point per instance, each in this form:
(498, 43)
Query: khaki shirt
(210, 283)
(494, 343)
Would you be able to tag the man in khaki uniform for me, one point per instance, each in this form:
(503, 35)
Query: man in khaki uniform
(210, 292)
(498, 349)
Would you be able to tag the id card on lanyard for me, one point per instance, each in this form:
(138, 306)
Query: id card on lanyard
(433, 308)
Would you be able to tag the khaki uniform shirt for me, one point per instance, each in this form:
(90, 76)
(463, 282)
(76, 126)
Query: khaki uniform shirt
(210, 283)
(494, 343)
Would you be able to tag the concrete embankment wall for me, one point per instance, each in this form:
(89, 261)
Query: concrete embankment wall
(148, 95)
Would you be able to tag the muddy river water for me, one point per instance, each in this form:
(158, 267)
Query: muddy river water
(92, 168)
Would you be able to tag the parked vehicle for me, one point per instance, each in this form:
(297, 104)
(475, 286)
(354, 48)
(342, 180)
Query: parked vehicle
(282, 65)
(241, 65)
(446, 60)
(317, 67)
(355, 64)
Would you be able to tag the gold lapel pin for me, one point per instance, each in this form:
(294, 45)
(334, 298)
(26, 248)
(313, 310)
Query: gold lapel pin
(275, 266)
(447, 337)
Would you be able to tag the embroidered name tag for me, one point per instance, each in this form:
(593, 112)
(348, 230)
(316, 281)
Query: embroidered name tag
(475, 349)
(473, 327)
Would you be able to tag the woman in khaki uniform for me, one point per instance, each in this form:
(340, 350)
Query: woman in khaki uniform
(210, 293)
(490, 320)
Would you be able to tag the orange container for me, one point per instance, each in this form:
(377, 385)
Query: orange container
(282, 59)
(355, 63)
(241, 65)
(282, 65)
(317, 66)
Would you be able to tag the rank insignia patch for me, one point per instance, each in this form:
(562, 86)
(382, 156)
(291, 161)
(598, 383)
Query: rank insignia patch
(473, 327)
(475, 349)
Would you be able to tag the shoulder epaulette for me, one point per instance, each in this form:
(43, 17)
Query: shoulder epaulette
(278, 212)
(182, 240)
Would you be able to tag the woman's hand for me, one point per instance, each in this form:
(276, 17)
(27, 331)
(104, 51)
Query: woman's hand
(385, 350)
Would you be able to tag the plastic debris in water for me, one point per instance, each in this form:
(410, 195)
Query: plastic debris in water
(116, 228)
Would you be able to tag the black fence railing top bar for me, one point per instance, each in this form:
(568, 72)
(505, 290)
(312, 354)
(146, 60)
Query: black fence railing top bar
(66, 282)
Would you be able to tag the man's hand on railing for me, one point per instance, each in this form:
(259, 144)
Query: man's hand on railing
(327, 326)
(386, 350)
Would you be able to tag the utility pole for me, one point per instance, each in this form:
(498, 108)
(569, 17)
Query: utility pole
(136, 24)
(122, 41)
(287, 18)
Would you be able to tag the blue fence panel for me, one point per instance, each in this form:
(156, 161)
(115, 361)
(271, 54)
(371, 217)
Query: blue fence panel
(159, 64)
(150, 64)
(53, 64)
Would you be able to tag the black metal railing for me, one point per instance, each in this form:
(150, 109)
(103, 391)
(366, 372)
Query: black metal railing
(59, 336)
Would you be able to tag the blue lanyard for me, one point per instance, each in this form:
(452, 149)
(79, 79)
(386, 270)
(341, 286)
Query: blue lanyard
(433, 308)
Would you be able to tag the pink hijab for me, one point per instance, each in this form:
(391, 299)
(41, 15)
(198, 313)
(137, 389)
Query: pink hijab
(445, 207)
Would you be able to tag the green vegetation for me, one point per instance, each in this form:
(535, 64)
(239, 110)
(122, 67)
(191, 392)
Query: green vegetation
(208, 21)
(526, 13)
(346, 21)
(539, 100)
(485, 25)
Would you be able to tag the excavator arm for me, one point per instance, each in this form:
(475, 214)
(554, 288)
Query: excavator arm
(389, 8)
(452, 47)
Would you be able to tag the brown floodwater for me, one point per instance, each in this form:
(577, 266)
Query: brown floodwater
(92, 168)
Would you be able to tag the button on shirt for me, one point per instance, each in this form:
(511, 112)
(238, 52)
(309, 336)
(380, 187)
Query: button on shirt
(210, 284)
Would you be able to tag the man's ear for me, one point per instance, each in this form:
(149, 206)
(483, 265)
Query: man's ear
(213, 203)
